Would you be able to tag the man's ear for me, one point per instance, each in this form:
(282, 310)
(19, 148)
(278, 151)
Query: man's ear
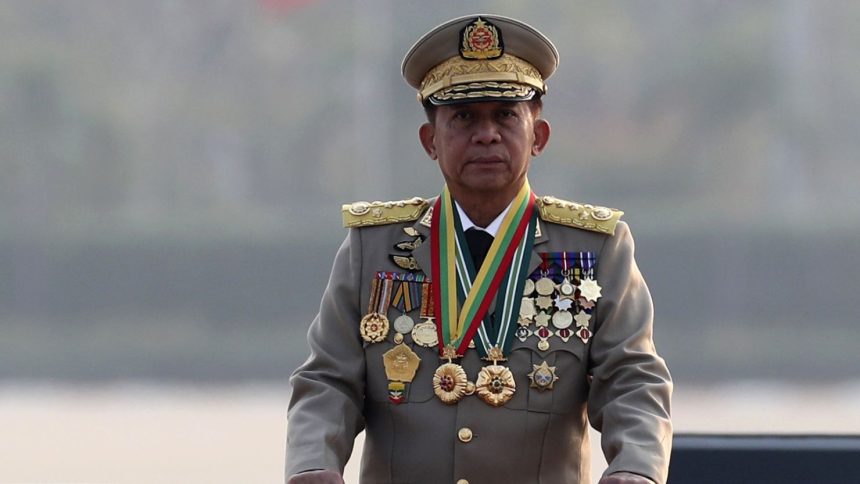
(427, 135)
(542, 132)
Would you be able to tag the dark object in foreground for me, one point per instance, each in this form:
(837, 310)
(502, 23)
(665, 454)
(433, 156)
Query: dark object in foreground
(786, 459)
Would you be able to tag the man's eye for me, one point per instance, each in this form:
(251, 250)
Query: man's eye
(462, 115)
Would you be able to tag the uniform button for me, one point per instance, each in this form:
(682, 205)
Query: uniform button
(465, 434)
(462, 481)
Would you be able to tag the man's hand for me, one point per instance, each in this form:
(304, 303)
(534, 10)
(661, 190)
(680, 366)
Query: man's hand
(625, 478)
(316, 477)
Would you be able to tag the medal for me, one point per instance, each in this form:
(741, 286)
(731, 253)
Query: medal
(543, 377)
(544, 334)
(589, 289)
(404, 300)
(566, 288)
(495, 384)
(523, 333)
(527, 308)
(564, 334)
(544, 286)
(403, 324)
(374, 325)
(584, 334)
(562, 319)
(563, 303)
(425, 334)
(529, 287)
(400, 363)
(542, 319)
(449, 381)
(543, 302)
(582, 318)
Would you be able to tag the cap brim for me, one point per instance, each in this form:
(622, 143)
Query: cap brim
(482, 92)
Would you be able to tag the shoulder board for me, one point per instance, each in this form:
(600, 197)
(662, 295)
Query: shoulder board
(581, 216)
(363, 214)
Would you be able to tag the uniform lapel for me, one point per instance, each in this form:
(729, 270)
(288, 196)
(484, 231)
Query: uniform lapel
(541, 237)
(535, 261)
(422, 253)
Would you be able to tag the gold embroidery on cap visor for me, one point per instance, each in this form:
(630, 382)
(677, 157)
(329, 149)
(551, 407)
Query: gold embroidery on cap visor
(484, 90)
(507, 74)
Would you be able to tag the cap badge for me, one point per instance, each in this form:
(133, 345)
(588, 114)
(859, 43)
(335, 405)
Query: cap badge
(481, 40)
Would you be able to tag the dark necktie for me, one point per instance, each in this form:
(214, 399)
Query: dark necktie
(479, 244)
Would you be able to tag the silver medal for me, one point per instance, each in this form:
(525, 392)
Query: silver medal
(403, 324)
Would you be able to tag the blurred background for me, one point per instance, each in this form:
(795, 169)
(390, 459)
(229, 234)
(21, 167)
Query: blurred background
(171, 175)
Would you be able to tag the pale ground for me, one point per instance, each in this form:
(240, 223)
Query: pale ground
(148, 433)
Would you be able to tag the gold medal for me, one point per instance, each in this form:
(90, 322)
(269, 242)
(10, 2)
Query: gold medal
(582, 318)
(450, 383)
(470, 388)
(400, 363)
(527, 308)
(495, 385)
(590, 289)
(544, 286)
(543, 377)
(528, 287)
(543, 334)
(566, 288)
(544, 302)
(374, 327)
(424, 334)
(542, 319)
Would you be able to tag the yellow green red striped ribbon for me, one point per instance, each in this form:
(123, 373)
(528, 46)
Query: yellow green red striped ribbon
(457, 326)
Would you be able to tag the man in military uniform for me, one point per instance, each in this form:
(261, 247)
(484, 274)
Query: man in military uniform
(475, 335)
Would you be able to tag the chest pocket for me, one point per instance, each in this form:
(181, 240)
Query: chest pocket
(568, 361)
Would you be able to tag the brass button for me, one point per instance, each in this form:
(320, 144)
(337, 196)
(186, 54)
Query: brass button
(465, 434)
(462, 481)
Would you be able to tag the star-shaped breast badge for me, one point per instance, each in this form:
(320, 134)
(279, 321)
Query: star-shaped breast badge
(589, 289)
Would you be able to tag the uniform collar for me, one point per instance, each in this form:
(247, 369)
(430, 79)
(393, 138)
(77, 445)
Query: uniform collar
(422, 226)
(491, 229)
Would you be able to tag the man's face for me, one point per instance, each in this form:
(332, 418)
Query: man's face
(484, 146)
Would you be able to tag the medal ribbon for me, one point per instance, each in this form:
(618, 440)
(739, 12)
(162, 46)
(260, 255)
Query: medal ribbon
(457, 327)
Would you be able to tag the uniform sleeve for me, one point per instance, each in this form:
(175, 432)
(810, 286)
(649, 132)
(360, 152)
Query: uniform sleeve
(629, 400)
(325, 410)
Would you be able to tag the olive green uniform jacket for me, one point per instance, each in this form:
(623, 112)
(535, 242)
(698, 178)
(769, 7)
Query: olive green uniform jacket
(616, 382)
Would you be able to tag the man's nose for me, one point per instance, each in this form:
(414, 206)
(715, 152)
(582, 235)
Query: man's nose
(486, 132)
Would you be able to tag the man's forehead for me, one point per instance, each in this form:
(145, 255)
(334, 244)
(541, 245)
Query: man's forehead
(485, 106)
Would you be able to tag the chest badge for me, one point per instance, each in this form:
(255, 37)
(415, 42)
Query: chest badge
(543, 377)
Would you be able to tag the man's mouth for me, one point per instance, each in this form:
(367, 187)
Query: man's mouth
(486, 160)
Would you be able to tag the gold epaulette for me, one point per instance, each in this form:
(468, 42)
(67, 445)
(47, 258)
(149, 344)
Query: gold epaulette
(582, 216)
(363, 214)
